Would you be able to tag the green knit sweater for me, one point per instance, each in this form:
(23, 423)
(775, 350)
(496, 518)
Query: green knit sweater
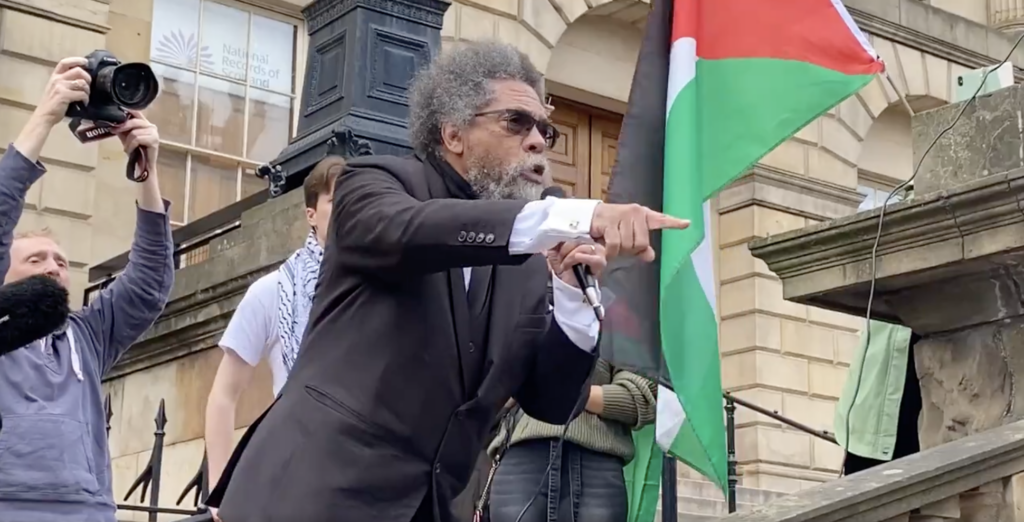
(629, 403)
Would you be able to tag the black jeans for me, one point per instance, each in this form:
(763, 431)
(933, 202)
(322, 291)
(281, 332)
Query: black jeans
(584, 486)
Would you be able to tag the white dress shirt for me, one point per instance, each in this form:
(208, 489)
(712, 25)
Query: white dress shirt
(542, 225)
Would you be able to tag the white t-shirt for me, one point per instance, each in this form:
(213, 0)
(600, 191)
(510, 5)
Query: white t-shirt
(252, 331)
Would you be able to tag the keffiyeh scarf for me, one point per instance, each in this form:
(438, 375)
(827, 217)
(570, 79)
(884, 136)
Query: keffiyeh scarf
(296, 285)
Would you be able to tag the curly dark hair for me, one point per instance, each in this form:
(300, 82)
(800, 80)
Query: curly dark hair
(455, 87)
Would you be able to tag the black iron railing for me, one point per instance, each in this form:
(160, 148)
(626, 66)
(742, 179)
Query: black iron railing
(669, 486)
(149, 479)
(191, 243)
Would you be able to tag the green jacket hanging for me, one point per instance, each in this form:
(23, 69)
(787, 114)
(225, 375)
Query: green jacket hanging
(882, 368)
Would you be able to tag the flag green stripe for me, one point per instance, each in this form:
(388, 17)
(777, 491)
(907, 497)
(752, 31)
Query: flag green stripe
(748, 106)
(732, 113)
(689, 332)
(643, 476)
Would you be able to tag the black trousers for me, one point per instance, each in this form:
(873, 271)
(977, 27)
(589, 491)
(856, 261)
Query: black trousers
(584, 486)
(907, 441)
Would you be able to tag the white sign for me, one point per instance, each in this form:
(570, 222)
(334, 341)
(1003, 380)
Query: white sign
(224, 49)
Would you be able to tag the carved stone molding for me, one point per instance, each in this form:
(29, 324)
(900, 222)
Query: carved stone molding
(972, 229)
(322, 12)
(97, 24)
(1006, 15)
(787, 192)
(919, 26)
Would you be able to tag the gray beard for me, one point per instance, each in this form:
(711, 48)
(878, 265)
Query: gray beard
(498, 183)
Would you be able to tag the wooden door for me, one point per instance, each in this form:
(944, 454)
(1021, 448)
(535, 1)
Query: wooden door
(582, 159)
(570, 157)
(604, 146)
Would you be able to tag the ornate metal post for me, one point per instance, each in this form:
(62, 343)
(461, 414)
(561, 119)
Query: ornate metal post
(362, 56)
(669, 490)
(730, 445)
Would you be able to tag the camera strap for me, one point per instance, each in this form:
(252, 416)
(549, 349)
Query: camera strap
(138, 161)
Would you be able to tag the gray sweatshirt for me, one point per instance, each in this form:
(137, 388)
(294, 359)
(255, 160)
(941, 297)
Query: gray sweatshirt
(54, 463)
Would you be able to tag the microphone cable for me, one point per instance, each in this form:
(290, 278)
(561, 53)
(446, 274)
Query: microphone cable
(878, 237)
(577, 410)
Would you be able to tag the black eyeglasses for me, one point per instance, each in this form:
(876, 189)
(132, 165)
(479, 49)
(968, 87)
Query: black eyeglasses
(520, 123)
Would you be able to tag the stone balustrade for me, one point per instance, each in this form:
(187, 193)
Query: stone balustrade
(1006, 15)
(975, 479)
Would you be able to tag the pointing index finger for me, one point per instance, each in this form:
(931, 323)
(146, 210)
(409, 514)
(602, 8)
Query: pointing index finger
(659, 221)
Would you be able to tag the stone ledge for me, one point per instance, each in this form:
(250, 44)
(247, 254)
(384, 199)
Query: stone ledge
(898, 487)
(188, 325)
(781, 190)
(96, 23)
(829, 264)
(206, 294)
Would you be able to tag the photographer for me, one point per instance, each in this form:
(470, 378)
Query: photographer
(54, 463)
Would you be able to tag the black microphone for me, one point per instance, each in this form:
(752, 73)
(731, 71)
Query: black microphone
(31, 309)
(584, 276)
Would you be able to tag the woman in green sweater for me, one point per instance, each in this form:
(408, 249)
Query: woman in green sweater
(586, 482)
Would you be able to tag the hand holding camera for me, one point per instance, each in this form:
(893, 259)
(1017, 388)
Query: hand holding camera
(68, 84)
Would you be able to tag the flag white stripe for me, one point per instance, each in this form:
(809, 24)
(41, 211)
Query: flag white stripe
(670, 418)
(852, 26)
(681, 69)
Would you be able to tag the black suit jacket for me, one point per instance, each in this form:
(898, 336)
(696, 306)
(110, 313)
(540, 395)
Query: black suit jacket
(390, 401)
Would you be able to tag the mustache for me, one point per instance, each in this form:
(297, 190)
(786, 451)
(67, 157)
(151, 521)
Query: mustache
(534, 163)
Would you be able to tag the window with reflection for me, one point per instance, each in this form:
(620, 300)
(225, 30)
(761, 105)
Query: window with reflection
(875, 194)
(227, 101)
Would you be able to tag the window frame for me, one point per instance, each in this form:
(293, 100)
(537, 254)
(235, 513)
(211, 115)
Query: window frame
(299, 52)
(877, 184)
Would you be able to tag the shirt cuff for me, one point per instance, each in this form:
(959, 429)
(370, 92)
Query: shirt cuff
(542, 225)
(575, 315)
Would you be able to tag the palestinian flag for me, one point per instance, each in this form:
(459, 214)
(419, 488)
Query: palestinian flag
(719, 84)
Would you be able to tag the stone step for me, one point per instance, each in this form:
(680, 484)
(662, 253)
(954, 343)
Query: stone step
(693, 517)
(708, 506)
(744, 495)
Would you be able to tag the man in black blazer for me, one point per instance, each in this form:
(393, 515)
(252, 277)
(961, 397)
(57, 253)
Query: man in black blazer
(432, 309)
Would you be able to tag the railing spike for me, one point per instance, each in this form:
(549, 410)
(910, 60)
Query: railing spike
(108, 412)
(161, 418)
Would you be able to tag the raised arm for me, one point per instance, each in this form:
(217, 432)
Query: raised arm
(17, 174)
(19, 166)
(129, 306)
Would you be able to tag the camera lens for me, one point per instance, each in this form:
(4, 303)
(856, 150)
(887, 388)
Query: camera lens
(134, 86)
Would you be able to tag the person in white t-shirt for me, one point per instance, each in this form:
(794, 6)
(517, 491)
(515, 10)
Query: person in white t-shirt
(269, 321)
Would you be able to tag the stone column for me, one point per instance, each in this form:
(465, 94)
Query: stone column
(362, 56)
(1006, 15)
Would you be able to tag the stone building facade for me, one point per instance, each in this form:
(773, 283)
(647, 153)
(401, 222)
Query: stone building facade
(221, 119)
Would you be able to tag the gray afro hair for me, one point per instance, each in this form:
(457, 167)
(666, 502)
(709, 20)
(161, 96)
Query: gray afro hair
(455, 87)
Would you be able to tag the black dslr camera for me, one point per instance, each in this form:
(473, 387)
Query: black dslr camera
(116, 87)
